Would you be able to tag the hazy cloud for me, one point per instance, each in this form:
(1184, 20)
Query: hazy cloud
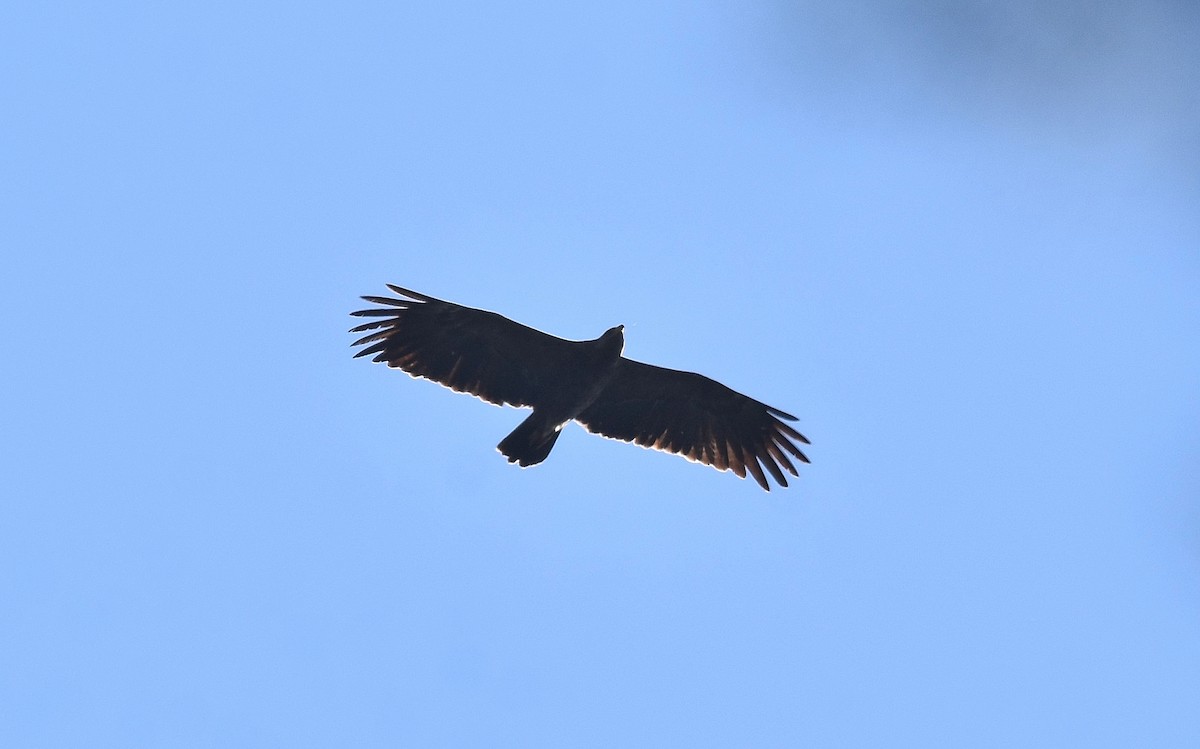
(1093, 68)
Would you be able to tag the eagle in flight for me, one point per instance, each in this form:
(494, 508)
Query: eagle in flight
(504, 362)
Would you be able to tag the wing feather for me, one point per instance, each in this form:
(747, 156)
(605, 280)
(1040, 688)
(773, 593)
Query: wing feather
(697, 417)
(465, 349)
(781, 457)
(753, 467)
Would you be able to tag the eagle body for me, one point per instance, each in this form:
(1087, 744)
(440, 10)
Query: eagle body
(595, 363)
(506, 363)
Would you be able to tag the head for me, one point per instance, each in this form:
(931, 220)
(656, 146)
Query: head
(614, 339)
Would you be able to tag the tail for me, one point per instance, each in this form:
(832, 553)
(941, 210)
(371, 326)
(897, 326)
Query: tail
(531, 441)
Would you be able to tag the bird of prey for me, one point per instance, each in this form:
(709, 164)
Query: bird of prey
(503, 362)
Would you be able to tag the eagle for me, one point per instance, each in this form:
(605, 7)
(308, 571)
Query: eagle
(506, 363)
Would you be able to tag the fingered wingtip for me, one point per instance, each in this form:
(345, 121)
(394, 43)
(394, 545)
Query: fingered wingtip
(410, 293)
(781, 414)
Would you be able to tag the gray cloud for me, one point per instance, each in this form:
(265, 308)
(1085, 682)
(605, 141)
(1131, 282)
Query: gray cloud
(1097, 69)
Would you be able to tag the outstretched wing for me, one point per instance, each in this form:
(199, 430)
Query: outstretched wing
(465, 349)
(696, 417)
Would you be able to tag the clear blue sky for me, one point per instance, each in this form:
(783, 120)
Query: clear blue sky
(963, 246)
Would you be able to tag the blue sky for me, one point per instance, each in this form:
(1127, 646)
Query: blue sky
(959, 241)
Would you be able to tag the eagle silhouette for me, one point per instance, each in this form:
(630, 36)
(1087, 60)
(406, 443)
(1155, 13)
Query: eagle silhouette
(506, 363)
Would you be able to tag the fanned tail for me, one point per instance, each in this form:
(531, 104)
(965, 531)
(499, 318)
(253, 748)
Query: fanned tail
(531, 442)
